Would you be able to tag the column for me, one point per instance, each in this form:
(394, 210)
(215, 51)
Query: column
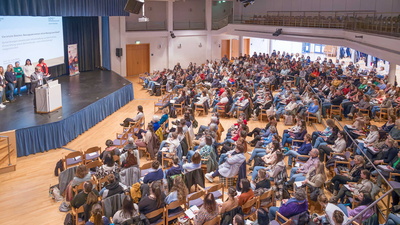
(392, 73)
(209, 28)
(170, 27)
(241, 45)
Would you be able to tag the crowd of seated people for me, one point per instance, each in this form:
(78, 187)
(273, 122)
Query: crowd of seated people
(303, 161)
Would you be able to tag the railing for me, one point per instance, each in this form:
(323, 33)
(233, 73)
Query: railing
(146, 26)
(8, 148)
(189, 25)
(379, 174)
(365, 21)
(218, 24)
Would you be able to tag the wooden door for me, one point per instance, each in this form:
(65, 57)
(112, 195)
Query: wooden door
(246, 46)
(235, 48)
(137, 59)
(226, 48)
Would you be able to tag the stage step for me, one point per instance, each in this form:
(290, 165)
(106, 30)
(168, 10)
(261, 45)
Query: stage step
(8, 169)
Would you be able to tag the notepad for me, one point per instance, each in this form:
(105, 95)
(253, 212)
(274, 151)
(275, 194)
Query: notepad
(191, 212)
(298, 183)
(219, 201)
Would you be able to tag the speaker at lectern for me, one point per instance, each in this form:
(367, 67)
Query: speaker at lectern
(48, 97)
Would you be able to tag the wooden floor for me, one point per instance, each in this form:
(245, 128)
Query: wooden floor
(24, 195)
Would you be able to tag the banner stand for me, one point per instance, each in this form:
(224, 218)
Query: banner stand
(73, 63)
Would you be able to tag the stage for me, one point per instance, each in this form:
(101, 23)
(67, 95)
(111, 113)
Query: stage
(87, 99)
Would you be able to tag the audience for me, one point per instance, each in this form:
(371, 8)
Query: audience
(208, 210)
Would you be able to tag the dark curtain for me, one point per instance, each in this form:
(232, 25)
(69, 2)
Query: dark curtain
(63, 8)
(105, 42)
(83, 31)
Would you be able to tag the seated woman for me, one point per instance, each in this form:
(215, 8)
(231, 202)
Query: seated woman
(325, 133)
(395, 131)
(392, 167)
(97, 217)
(208, 210)
(112, 188)
(338, 147)
(231, 203)
(82, 174)
(358, 125)
(363, 185)
(153, 201)
(272, 170)
(324, 138)
(194, 164)
(269, 158)
(262, 180)
(291, 207)
(138, 116)
(297, 134)
(265, 141)
(169, 147)
(109, 167)
(155, 175)
(304, 149)
(128, 211)
(240, 103)
(178, 192)
(175, 169)
(386, 103)
(87, 197)
(365, 200)
(230, 167)
(387, 127)
(110, 149)
(353, 175)
(363, 104)
(371, 139)
(318, 179)
(204, 151)
(247, 194)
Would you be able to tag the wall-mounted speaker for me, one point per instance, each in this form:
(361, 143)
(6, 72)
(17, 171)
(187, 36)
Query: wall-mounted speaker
(118, 52)
(133, 6)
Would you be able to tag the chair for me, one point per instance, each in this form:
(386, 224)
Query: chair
(156, 213)
(214, 221)
(393, 175)
(383, 112)
(200, 108)
(165, 159)
(173, 205)
(266, 200)
(221, 110)
(195, 199)
(145, 168)
(299, 159)
(279, 218)
(94, 164)
(346, 160)
(73, 159)
(365, 112)
(336, 110)
(91, 154)
(252, 205)
(311, 116)
(263, 114)
(217, 190)
(75, 214)
(179, 108)
(121, 139)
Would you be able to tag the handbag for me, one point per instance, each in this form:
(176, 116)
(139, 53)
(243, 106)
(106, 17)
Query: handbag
(315, 192)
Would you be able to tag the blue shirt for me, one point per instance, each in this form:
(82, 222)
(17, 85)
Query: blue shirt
(304, 149)
(153, 176)
(313, 108)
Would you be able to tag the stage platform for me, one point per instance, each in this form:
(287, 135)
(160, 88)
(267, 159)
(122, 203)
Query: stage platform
(87, 99)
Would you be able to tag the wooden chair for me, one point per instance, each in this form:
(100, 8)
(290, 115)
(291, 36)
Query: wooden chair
(214, 221)
(249, 205)
(73, 159)
(263, 114)
(121, 140)
(165, 160)
(144, 168)
(179, 108)
(221, 110)
(336, 110)
(393, 175)
(311, 116)
(268, 198)
(94, 164)
(91, 154)
(299, 159)
(175, 215)
(75, 214)
(217, 190)
(195, 199)
(156, 213)
(383, 112)
(365, 112)
(200, 108)
(279, 218)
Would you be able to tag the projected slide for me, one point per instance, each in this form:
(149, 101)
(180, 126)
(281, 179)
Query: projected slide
(25, 37)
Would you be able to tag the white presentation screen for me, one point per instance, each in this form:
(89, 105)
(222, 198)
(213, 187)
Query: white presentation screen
(26, 37)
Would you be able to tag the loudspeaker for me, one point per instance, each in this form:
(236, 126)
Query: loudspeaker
(118, 52)
(133, 6)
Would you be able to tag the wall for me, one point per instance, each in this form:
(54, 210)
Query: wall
(261, 6)
(221, 9)
(117, 37)
(156, 11)
(259, 45)
(189, 10)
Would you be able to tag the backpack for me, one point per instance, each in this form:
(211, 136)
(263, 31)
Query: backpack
(59, 167)
(68, 219)
(131, 160)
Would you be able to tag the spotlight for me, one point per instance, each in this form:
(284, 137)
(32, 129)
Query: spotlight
(247, 2)
(172, 34)
(277, 32)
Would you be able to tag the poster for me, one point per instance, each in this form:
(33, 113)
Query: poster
(73, 63)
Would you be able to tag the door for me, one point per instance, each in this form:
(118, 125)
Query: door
(137, 59)
(235, 48)
(225, 48)
(246, 43)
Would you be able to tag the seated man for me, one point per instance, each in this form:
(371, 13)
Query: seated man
(291, 207)
(298, 173)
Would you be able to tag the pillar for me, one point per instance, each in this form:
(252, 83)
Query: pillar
(241, 44)
(392, 73)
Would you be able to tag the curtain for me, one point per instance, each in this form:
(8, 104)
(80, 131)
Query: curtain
(105, 42)
(83, 31)
(63, 8)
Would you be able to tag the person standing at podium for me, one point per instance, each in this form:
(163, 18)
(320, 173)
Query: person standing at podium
(11, 80)
(36, 81)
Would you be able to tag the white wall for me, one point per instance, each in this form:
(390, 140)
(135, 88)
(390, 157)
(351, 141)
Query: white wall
(156, 11)
(286, 46)
(190, 10)
(221, 10)
(261, 6)
(259, 45)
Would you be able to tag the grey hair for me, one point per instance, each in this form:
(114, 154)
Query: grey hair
(300, 194)
(156, 118)
(213, 127)
(214, 119)
(131, 140)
